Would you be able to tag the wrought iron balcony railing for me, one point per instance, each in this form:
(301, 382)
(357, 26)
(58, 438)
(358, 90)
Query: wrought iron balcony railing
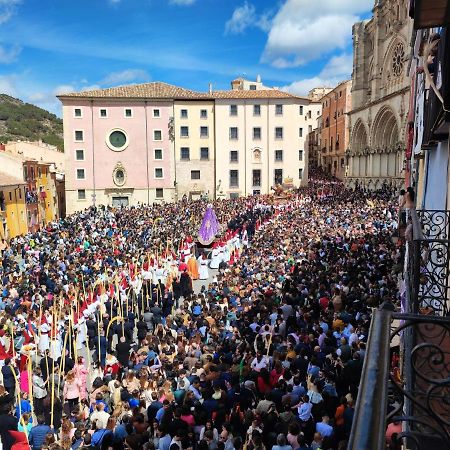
(415, 394)
(413, 389)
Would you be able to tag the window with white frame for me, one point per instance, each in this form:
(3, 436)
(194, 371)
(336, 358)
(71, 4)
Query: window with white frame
(278, 155)
(233, 110)
(184, 113)
(159, 172)
(300, 155)
(256, 110)
(79, 155)
(81, 175)
(79, 135)
(233, 133)
(234, 156)
(300, 173)
(278, 176)
(159, 193)
(300, 132)
(203, 114)
(184, 132)
(184, 153)
(204, 153)
(157, 135)
(156, 113)
(278, 132)
(300, 110)
(234, 178)
(77, 112)
(256, 133)
(195, 174)
(158, 153)
(279, 110)
(81, 194)
(203, 132)
(103, 113)
(128, 112)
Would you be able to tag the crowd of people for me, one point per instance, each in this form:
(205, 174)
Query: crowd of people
(105, 344)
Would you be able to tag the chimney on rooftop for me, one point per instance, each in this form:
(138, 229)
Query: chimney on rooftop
(258, 78)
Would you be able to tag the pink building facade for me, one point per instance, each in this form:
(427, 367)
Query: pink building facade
(118, 151)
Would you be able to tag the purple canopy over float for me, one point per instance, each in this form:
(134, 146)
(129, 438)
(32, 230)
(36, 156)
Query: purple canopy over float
(209, 227)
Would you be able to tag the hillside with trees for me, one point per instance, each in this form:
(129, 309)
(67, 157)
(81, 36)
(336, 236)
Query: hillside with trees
(19, 120)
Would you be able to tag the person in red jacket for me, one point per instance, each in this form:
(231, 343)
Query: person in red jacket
(263, 382)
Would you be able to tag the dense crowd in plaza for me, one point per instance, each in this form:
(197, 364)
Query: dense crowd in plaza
(105, 345)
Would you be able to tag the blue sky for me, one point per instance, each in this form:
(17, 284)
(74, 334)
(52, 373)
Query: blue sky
(54, 46)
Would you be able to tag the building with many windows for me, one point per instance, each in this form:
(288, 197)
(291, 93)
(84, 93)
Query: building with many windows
(194, 147)
(119, 144)
(158, 142)
(334, 132)
(261, 140)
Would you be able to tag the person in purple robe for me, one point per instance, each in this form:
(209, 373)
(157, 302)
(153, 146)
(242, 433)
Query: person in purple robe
(209, 227)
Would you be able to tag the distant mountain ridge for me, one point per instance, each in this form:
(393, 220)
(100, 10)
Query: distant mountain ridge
(24, 121)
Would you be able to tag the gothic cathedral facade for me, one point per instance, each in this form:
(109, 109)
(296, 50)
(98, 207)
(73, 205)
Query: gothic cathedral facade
(380, 97)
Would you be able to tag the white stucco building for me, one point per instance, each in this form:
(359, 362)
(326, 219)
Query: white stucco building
(261, 140)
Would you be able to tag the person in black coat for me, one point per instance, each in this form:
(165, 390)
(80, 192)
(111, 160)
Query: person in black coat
(123, 352)
(9, 382)
(44, 363)
(128, 329)
(141, 330)
(8, 422)
(91, 326)
(68, 363)
(186, 285)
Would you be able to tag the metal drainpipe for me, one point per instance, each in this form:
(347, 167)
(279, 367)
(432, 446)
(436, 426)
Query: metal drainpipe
(146, 151)
(245, 148)
(268, 156)
(175, 185)
(215, 152)
(93, 153)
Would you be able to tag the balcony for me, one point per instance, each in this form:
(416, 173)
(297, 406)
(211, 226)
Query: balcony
(414, 390)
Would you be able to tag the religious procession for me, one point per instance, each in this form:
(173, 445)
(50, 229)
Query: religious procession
(106, 343)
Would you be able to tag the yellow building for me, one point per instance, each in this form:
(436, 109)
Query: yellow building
(12, 206)
(194, 148)
(46, 188)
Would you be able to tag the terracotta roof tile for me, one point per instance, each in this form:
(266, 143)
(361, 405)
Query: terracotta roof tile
(9, 180)
(248, 94)
(159, 90)
(145, 90)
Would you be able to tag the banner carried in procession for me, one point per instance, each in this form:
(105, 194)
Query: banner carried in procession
(209, 227)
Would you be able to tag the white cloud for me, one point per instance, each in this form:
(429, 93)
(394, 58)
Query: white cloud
(182, 2)
(8, 85)
(8, 9)
(337, 69)
(245, 16)
(91, 87)
(338, 66)
(303, 31)
(125, 76)
(63, 89)
(9, 55)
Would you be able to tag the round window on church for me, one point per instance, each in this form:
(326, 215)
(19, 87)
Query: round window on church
(117, 140)
(397, 59)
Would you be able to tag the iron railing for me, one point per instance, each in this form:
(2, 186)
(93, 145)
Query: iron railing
(415, 391)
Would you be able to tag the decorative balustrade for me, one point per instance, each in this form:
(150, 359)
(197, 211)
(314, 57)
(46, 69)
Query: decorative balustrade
(416, 393)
